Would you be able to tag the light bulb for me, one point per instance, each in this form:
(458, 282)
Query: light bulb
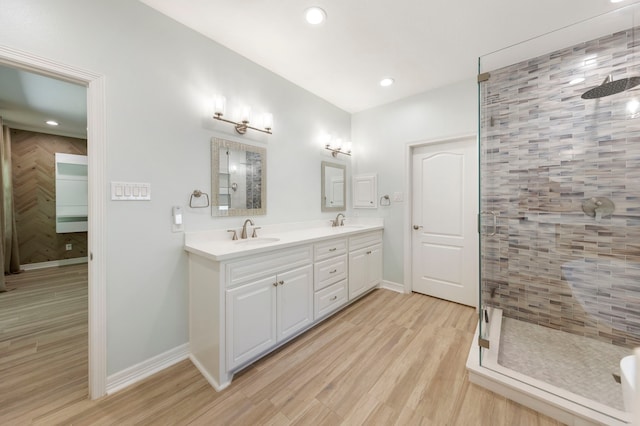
(267, 120)
(245, 115)
(219, 105)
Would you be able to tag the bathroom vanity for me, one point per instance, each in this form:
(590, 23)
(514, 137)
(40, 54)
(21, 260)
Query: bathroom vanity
(250, 296)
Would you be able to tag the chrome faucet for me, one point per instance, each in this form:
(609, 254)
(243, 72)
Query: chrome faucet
(338, 222)
(244, 229)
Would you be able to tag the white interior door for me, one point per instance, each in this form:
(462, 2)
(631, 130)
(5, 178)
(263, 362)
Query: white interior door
(444, 235)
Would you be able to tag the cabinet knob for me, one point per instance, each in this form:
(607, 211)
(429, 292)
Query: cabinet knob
(369, 252)
(333, 249)
(333, 298)
(281, 282)
(275, 284)
(333, 272)
(416, 227)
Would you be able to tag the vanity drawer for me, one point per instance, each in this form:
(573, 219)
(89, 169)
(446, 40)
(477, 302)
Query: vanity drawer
(329, 271)
(365, 240)
(259, 266)
(330, 248)
(329, 299)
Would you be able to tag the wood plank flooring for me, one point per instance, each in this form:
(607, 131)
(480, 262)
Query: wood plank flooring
(388, 359)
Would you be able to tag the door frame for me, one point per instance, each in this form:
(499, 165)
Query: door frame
(408, 207)
(96, 156)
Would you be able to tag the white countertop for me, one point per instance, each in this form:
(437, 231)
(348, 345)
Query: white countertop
(217, 244)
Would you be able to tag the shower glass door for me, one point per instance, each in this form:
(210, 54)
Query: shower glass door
(559, 144)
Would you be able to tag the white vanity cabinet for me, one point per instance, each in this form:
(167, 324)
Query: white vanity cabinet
(268, 299)
(244, 304)
(365, 263)
(330, 276)
(267, 311)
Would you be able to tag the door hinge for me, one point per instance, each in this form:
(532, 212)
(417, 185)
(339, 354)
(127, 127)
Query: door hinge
(483, 343)
(483, 77)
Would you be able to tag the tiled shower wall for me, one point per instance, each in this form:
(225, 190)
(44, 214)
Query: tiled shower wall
(544, 151)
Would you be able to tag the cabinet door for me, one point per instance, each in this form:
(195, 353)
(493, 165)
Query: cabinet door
(357, 273)
(251, 320)
(295, 301)
(365, 270)
(365, 192)
(373, 256)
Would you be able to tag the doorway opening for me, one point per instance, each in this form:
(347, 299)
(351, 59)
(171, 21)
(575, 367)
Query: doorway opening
(96, 183)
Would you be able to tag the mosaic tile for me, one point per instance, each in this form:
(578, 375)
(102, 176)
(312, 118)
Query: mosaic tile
(544, 150)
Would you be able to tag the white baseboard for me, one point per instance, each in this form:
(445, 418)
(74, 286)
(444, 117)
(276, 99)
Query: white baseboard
(209, 378)
(134, 374)
(390, 285)
(54, 263)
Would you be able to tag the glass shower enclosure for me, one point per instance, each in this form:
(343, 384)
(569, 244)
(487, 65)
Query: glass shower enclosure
(559, 134)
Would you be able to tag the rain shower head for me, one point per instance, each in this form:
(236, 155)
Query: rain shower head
(611, 87)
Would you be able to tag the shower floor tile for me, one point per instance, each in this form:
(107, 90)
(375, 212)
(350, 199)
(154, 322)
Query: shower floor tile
(578, 364)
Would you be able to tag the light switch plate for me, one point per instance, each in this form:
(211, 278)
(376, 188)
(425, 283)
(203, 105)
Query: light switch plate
(130, 191)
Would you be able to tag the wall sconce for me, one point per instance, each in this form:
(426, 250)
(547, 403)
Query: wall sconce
(336, 147)
(245, 117)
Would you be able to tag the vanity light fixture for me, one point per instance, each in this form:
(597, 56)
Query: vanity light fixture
(338, 148)
(245, 117)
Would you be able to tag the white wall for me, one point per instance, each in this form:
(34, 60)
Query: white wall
(380, 137)
(159, 75)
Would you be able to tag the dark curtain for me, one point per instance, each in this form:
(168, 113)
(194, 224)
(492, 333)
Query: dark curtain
(9, 257)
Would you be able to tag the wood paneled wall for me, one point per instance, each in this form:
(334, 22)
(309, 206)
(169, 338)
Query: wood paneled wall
(34, 184)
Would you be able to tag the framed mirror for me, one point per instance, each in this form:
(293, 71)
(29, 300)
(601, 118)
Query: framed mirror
(238, 179)
(333, 182)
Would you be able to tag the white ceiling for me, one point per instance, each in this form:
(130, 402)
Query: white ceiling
(28, 100)
(422, 44)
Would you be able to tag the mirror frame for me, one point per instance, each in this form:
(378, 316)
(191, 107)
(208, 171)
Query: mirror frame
(216, 145)
(323, 166)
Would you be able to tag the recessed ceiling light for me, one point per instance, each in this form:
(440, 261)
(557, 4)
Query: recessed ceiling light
(315, 15)
(52, 122)
(576, 81)
(387, 81)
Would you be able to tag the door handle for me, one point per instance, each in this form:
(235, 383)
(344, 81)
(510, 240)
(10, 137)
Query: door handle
(416, 227)
(495, 222)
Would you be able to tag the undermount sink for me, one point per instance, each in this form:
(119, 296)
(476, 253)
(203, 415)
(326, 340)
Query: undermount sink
(350, 227)
(257, 241)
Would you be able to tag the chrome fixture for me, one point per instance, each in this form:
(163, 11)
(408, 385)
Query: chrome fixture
(598, 207)
(611, 87)
(197, 194)
(254, 234)
(243, 235)
(245, 117)
(336, 146)
(235, 234)
(338, 222)
(337, 150)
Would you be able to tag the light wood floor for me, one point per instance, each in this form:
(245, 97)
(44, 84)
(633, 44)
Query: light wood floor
(387, 359)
